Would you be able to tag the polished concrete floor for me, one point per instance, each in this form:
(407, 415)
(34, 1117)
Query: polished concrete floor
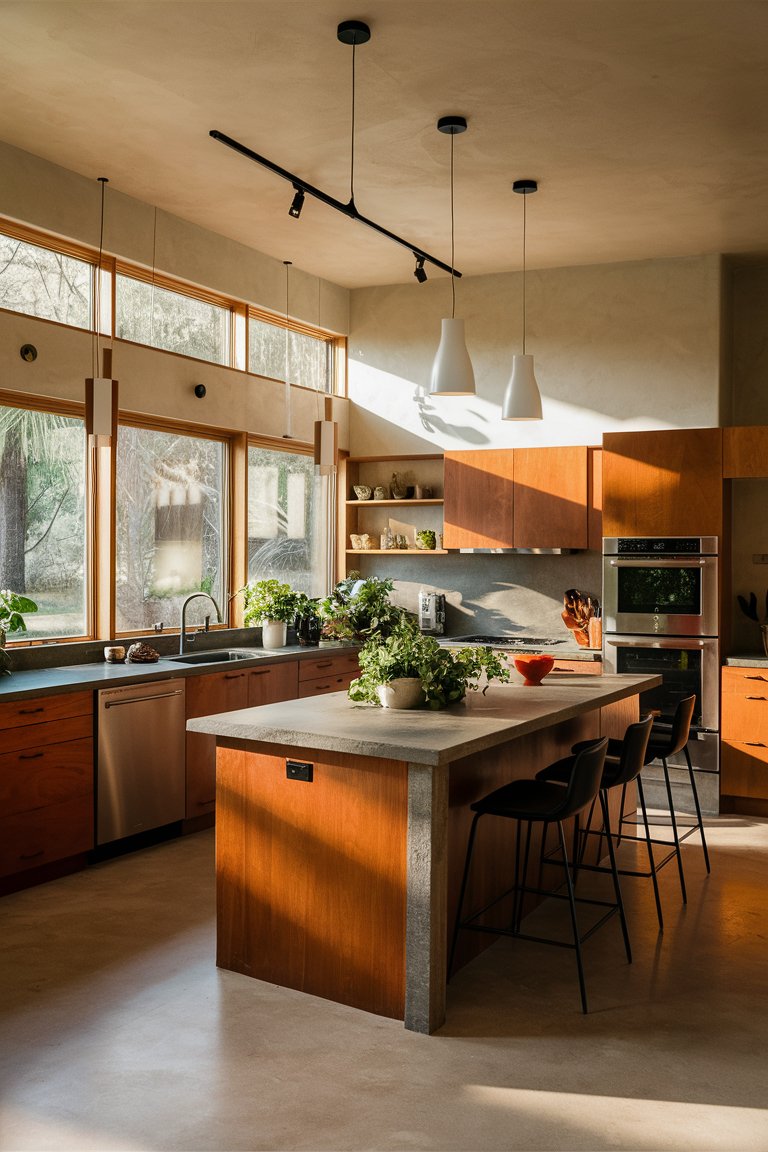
(118, 1031)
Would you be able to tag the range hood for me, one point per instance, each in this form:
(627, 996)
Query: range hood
(520, 551)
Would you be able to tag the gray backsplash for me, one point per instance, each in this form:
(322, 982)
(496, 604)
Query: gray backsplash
(487, 593)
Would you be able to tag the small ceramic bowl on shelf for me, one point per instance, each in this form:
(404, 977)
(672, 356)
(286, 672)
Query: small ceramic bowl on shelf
(533, 667)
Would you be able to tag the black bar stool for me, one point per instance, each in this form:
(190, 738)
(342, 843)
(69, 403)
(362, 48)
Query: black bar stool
(623, 763)
(665, 741)
(542, 802)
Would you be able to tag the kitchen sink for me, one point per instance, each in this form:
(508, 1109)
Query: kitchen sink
(215, 656)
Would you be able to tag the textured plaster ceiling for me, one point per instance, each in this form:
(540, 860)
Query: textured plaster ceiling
(644, 121)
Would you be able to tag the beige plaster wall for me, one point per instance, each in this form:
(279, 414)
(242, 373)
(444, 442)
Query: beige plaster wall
(619, 346)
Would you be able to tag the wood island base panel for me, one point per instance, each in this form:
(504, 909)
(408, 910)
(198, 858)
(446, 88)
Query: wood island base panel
(338, 864)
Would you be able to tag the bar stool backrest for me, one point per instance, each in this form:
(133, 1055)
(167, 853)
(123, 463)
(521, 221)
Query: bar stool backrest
(677, 739)
(633, 749)
(584, 782)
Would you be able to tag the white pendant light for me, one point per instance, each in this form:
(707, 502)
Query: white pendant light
(522, 399)
(100, 390)
(452, 373)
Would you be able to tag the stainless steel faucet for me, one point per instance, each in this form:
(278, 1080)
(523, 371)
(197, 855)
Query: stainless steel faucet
(189, 599)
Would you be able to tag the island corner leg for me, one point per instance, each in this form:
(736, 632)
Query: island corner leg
(427, 883)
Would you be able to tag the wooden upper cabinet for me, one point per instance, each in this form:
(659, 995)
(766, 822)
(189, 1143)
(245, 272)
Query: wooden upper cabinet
(595, 498)
(550, 498)
(745, 452)
(663, 483)
(478, 499)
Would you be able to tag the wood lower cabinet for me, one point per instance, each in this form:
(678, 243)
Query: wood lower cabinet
(226, 692)
(327, 674)
(744, 741)
(663, 483)
(46, 781)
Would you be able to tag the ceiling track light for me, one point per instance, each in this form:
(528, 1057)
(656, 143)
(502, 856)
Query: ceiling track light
(419, 271)
(522, 399)
(452, 372)
(352, 32)
(297, 203)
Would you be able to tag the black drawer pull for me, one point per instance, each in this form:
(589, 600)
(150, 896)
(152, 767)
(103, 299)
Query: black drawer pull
(754, 744)
(754, 697)
(29, 711)
(233, 675)
(323, 663)
(261, 672)
(30, 755)
(32, 855)
(755, 678)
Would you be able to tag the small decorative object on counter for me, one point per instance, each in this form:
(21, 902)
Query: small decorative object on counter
(362, 491)
(426, 539)
(533, 667)
(114, 654)
(142, 654)
(308, 623)
(579, 610)
(379, 492)
(398, 489)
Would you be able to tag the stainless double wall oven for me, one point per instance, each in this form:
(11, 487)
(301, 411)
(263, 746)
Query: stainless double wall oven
(660, 615)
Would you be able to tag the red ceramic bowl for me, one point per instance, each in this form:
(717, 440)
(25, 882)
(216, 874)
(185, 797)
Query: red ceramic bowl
(534, 667)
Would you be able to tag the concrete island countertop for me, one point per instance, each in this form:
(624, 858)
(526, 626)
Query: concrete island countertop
(422, 736)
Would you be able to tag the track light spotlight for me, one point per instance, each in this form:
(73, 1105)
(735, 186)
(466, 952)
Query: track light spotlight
(297, 203)
(420, 271)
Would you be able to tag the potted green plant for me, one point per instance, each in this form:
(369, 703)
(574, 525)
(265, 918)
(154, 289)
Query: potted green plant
(308, 621)
(273, 605)
(407, 668)
(357, 608)
(12, 609)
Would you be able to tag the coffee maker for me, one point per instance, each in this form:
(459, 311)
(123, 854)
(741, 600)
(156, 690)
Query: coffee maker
(432, 612)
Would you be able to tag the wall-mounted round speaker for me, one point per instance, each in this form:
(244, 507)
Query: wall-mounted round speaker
(199, 391)
(28, 352)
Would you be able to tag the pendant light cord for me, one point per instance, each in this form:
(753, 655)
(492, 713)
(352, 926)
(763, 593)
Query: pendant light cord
(453, 278)
(352, 151)
(103, 180)
(524, 209)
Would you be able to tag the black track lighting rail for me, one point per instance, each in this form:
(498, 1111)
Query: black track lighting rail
(349, 209)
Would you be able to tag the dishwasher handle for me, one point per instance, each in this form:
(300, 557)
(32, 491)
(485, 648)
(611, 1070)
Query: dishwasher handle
(142, 699)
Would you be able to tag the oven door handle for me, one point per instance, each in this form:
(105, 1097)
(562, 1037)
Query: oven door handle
(658, 562)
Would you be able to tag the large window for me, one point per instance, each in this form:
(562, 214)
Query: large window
(42, 517)
(157, 316)
(45, 283)
(171, 501)
(288, 531)
(276, 351)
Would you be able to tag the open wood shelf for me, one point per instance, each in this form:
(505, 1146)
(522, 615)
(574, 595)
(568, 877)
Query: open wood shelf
(390, 503)
(397, 551)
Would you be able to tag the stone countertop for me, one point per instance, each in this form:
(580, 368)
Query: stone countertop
(81, 677)
(749, 660)
(560, 652)
(422, 736)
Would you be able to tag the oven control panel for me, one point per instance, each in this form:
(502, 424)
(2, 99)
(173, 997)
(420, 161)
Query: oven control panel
(660, 546)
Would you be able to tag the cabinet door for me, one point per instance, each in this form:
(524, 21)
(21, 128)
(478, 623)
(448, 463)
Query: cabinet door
(663, 483)
(550, 504)
(595, 499)
(271, 683)
(745, 452)
(479, 499)
(36, 777)
(45, 835)
(205, 696)
(743, 771)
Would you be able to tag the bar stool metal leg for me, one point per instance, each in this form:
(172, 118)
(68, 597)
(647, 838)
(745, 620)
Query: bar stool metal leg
(574, 921)
(614, 873)
(695, 792)
(674, 830)
(651, 860)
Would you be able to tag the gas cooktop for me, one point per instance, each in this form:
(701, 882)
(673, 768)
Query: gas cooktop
(506, 641)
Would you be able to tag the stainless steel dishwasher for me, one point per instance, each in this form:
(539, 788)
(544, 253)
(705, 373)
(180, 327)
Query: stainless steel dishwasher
(140, 777)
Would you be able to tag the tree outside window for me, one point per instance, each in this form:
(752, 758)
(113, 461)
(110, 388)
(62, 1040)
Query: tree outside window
(170, 528)
(42, 517)
(41, 282)
(287, 530)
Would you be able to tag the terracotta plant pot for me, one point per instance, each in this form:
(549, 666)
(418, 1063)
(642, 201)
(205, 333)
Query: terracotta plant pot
(533, 668)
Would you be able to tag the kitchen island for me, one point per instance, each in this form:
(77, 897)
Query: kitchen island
(341, 830)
